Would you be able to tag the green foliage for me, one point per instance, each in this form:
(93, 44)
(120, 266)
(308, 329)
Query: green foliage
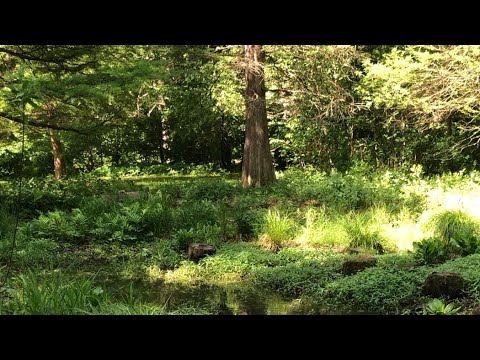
(248, 212)
(210, 190)
(7, 221)
(376, 289)
(234, 261)
(431, 251)
(157, 215)
(240, 261)
(100, 220)
(166, 255)
(360, 189)
(438, 307)
(320, 230)
(127, 309)
(466, 245)
(36, 252)
(456, 234)
(193, 213)
(299, 278)
(404, 260)
(208, 234)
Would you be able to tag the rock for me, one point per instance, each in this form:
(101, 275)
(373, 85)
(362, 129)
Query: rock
(122, 195)
(199, 251)
(379, 248)
(475, 310)
(130, 195)
(447, 284)
(267, 243)
(358, 264)
(355, 251)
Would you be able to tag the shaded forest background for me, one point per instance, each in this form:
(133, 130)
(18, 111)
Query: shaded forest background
(146, 107)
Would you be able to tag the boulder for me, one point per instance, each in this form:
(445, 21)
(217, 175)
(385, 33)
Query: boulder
(447, 284)
(360, 263)
(199, 251)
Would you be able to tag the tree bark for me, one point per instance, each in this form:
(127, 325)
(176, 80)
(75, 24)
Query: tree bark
(257, 165)
(57, 150)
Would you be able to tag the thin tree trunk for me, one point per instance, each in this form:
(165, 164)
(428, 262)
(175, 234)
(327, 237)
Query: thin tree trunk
(257, 166)
(57, 150)
(449, 126)
(160, 144)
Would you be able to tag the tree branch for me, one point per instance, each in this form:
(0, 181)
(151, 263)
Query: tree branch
(60, 62)
(40, 124)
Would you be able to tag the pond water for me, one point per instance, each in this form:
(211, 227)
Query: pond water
(224, 300)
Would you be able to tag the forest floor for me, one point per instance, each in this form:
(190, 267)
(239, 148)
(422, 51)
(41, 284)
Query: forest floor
(117, 245)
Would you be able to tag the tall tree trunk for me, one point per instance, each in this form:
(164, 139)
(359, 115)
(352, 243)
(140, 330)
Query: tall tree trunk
(257, 166)
(57, 150)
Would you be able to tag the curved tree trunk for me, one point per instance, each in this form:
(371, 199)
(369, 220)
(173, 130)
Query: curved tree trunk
(57, 150)
(257, 166)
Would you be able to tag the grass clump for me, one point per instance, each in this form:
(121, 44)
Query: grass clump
(452, 224)
(54, 294)
(276, 227)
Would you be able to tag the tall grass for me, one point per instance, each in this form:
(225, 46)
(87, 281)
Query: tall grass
(361, 232)
(55, 294)
(276, 227)
(452, 224)
(319, 230)
(7, 221)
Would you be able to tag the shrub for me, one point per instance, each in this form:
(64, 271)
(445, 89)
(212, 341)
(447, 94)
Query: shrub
(455, 233)
(59, 226)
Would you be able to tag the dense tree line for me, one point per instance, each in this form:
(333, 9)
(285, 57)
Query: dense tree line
(326, 106)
